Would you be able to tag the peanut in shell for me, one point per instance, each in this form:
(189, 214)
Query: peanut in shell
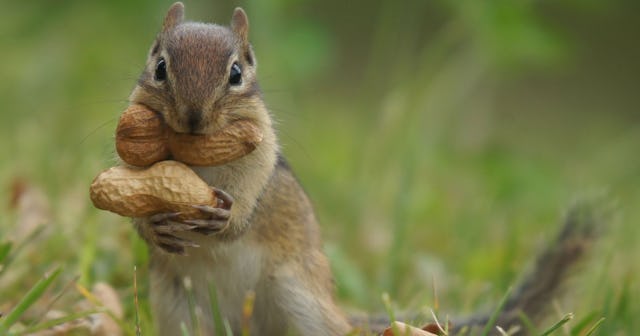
(141, 137)
(165, 187)
(230, 143)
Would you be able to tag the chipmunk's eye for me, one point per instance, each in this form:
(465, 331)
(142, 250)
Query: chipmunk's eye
(235, 75)
(161, 70)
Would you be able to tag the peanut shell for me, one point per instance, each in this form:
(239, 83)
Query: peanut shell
(141, 136)
(167, 186)
(230, 143)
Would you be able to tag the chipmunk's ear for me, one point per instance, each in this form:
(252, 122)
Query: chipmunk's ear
(240, 25)
(174, 16)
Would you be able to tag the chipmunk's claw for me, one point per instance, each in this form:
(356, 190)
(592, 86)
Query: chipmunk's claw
(225, 201)
(173, 244)
(217, 221)
(164, 228)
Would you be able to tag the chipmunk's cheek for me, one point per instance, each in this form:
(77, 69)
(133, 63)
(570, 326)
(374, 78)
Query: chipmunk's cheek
(211, 121)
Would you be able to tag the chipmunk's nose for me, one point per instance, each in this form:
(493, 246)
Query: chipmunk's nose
(194, 120)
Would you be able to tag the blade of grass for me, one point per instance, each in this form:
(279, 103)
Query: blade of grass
(61, 293)
(183, 329)
(195, 321)
(386, 300)
(29, 299)
(595, 327)
(528, 325)
(445, 330)
(501, 331)
(436, 302)
(17, 248)
(558, 324)
(5, 248)
(496, 313)
(135, 301)
(581, 325)
(247, 312)
(215, 309)
(88, 254)
(227, 328)
(96, 302)
(447, 323)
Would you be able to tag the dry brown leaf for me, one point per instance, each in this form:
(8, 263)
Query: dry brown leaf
(102, 324)
(405, 330)
(434, 328)
(32, 208)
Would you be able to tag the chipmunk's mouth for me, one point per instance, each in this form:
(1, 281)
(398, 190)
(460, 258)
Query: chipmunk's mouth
(190, 122)
(194, 121)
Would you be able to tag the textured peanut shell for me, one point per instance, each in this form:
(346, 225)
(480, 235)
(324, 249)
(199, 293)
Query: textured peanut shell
(142, 138)
(167, 186)
(230, 143)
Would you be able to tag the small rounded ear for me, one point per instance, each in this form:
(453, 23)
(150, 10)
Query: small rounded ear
(174, 16)
(240, 25)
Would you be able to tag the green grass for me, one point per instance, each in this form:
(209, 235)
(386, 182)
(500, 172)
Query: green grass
(496, 313)
(438, 142)
(27, 301)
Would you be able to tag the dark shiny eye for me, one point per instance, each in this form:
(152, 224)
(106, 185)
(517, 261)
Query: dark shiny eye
(235, 75)
(161, 70)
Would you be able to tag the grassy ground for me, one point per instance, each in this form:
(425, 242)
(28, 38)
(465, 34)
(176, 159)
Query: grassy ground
(440, 145)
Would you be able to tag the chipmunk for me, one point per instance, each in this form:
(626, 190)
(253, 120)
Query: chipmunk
(265, 239)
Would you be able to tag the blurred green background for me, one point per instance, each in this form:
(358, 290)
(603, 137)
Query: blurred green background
(440, 141)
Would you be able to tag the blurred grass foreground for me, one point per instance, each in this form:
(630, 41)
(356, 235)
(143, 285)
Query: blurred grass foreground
(439, 140)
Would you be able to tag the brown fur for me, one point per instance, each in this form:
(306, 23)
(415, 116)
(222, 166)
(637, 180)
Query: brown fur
(272, 244)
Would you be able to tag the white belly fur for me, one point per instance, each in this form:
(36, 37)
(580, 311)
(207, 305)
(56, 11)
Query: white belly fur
(233, 268)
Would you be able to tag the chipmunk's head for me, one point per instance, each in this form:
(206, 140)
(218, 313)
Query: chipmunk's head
(199, 76)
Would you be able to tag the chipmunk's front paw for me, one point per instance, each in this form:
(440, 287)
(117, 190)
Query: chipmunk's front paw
(217, 217)
(164, 229)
